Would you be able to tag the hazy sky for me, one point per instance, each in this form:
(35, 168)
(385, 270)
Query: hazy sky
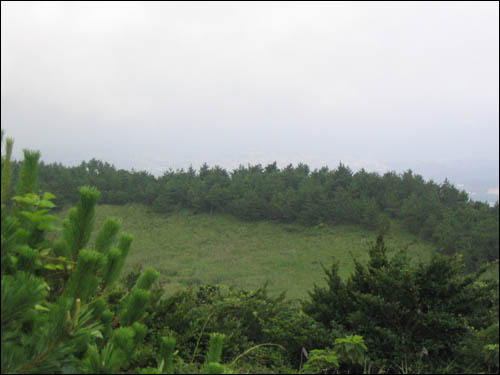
(169, 83)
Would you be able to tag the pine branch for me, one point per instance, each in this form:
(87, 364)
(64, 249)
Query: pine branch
(37, 359)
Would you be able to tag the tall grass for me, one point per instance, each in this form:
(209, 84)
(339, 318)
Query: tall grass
(190, 249)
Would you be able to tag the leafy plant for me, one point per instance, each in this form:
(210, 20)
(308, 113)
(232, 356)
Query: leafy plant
(351, 349)
(322, 361)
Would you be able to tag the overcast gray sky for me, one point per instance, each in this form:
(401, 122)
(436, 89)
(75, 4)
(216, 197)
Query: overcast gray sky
(156, 84)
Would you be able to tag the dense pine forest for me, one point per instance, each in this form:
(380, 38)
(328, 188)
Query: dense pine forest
(67, 307)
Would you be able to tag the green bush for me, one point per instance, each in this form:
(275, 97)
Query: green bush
(246, 318)
(406, 313)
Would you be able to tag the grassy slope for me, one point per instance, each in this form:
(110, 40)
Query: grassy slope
(190, 249)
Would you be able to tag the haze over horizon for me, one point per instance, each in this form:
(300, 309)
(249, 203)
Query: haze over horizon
(147, 85)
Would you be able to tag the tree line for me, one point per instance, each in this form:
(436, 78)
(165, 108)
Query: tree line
(437, 212)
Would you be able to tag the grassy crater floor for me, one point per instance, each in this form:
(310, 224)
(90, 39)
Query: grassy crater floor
(189, 249)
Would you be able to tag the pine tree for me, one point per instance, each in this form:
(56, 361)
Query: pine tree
(6, 166)
(212, 363)
(54, 315)
(404, 309)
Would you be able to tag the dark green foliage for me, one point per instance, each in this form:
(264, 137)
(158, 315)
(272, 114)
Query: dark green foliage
(51, 343)
(294, 330)
(191, 316)
(245, 318)
(378, 254)
(23, 291)
(403, 309)
(28, 259)
(164, 360)
(473, 355)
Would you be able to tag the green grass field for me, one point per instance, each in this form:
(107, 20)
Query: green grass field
(190, 249)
